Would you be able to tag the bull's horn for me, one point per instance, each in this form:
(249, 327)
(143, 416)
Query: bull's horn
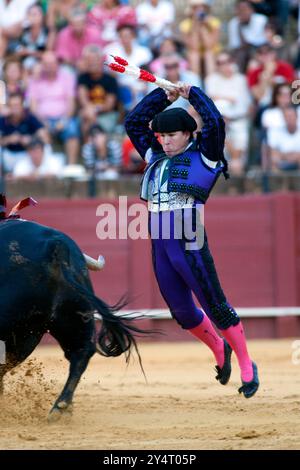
(94, 264)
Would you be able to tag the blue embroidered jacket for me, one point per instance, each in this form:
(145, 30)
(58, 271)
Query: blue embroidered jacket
(188, 172)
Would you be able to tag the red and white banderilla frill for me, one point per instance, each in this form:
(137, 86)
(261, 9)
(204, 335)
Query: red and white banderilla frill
(121, 65)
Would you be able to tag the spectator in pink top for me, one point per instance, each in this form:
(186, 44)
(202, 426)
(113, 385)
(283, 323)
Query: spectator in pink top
(52, 99)
(72, 40)
(108, 15)
(168, 47)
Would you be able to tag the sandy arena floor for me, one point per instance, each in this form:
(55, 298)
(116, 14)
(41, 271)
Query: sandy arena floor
(182, 407)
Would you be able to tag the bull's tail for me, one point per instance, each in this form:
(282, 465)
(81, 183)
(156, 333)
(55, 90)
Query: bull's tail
(117, 332)
(116, 335)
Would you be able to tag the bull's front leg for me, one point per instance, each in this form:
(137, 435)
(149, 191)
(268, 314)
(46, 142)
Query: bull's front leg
(1, 383)
(2, 364)
(4, 368)
(78, 363)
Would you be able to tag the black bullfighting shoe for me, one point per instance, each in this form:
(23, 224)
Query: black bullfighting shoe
(250, 388)
(224, 372)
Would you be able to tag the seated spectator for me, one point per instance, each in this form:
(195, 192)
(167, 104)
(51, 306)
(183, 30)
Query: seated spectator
(2, 98)
(173, 73)
(284, 143)
(12, 15)
(13, 78)
(108, 15)
(201, 36)
(52, 98)
(168, 46)
(131, 90)
(268, 71)
(16, 130)
(278, 10)
(155, 19)
(34, 39)
(229, 90)
(100, 155)
(74, 38)
(132, 162)
(297, 62)
(274, 39)
(39, 162)
(245, 31)
(58, 13)
(262, 6)
(97, 93)
(57, 16)
(127, 47)
(273, 117)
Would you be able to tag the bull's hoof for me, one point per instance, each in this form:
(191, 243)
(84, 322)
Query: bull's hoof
(62, 410)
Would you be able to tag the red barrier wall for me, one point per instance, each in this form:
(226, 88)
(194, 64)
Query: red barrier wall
(255, 241)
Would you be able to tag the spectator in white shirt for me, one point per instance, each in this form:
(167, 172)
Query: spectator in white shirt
(12, 16)
(229, 90)
(284, 143)
(131, 90)
(155, 18)
(128, 47)
(282, 140)
(39, 162)
(246, 31)
(273, 117)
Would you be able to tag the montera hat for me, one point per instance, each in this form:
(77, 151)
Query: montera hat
(173, 120)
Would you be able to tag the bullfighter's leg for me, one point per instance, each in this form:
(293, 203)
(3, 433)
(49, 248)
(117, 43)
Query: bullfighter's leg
(75, 335)
(178, 296)
(198, 269)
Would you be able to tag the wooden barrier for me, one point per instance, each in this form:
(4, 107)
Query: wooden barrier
(255, 241)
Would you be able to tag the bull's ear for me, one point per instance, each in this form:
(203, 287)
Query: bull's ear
(2, 206)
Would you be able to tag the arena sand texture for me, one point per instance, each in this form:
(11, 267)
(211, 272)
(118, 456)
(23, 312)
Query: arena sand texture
(181, 407)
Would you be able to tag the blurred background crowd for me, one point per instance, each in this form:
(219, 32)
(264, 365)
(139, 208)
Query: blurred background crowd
(62, 109)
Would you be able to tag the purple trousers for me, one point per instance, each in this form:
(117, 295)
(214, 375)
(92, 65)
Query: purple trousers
(182, 272)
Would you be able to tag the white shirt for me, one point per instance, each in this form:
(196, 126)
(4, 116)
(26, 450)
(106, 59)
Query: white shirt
(283, 141)
(51, 165)
(274, 119)
(253, 33)
(13, 13)
(140, 55)
(235, 88)
(155, 17)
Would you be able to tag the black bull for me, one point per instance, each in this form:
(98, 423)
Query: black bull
(45, 286)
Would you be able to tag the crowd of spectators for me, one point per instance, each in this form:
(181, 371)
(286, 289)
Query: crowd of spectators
(62, 106)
